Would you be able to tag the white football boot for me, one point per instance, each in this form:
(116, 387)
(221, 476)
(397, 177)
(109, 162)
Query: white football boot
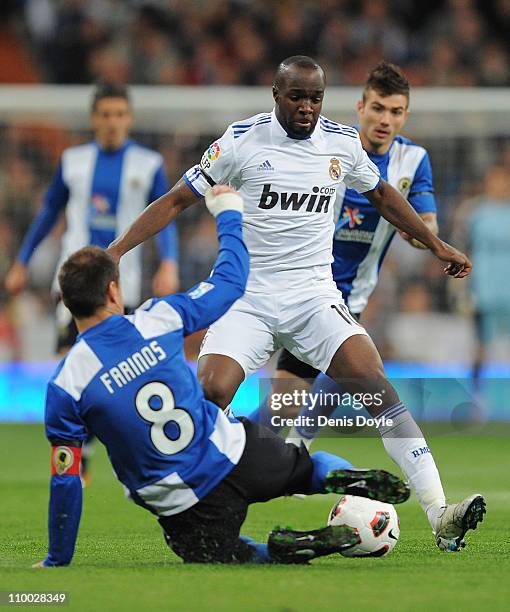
(456, 519)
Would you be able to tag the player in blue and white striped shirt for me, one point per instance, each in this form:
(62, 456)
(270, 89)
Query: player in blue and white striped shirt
(103, 186)
(177, 454)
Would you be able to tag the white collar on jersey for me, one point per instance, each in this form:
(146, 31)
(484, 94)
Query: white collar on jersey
(278, 131)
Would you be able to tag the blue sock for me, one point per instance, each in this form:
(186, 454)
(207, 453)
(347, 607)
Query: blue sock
(260, 552)
(329, 397)
(322, 384)
(323, 463)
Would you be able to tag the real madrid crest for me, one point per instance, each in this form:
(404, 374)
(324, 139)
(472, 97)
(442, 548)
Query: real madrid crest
(404, 184)
(335, 172)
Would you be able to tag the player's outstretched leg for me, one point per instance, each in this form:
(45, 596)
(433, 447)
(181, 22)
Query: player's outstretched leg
(357, 360)
(289, 546)
(332, 474)
(283, 546)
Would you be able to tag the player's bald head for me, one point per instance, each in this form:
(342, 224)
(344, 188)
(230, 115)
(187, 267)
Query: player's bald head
(294, 68)
(298, 92)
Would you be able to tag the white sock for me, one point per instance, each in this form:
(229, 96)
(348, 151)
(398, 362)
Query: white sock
(405, 444)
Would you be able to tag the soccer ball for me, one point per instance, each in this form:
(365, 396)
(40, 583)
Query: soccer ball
(376, 523)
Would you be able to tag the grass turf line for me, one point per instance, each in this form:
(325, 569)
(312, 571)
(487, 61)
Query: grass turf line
(122, 563)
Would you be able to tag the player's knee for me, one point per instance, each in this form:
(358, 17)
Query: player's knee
(368, 379)
(215, 392)
(371, 374)
(220, 377)
(372, 378)
(364, 374)
(215, 389)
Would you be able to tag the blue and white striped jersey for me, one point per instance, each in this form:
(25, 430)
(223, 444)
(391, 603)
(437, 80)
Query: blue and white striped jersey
(102, 193)
(362, 237)
(289, 188)
(126, 380)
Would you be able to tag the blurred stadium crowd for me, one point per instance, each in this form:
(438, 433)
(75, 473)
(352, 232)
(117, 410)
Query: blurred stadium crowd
(224, 42)
(239, 42)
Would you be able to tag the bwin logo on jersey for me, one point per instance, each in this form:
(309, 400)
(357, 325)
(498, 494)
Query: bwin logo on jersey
(318, 201)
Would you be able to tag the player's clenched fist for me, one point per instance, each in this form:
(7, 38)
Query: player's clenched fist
(221, 197)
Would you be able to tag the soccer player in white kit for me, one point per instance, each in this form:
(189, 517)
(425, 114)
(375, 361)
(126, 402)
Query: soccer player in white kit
(288, 165)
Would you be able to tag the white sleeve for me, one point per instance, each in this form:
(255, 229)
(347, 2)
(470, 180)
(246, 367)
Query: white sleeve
(364, 175)
(216, 165)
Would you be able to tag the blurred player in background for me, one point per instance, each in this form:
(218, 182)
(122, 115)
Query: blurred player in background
(289, 165)
(362, 237)
(103, 186)
(482, 225)
(177, 454)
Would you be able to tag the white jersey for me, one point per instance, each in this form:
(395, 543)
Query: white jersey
(289, 188)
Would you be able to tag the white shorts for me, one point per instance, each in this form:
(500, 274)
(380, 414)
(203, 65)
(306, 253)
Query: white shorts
(309, 319)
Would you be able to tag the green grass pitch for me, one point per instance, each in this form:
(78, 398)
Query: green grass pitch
(122, 563)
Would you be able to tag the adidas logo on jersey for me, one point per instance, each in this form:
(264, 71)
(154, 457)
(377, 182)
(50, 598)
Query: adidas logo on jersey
(265, 166)
(318, 201)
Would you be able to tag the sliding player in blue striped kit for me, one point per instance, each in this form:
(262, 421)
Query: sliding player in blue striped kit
(178, 455)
